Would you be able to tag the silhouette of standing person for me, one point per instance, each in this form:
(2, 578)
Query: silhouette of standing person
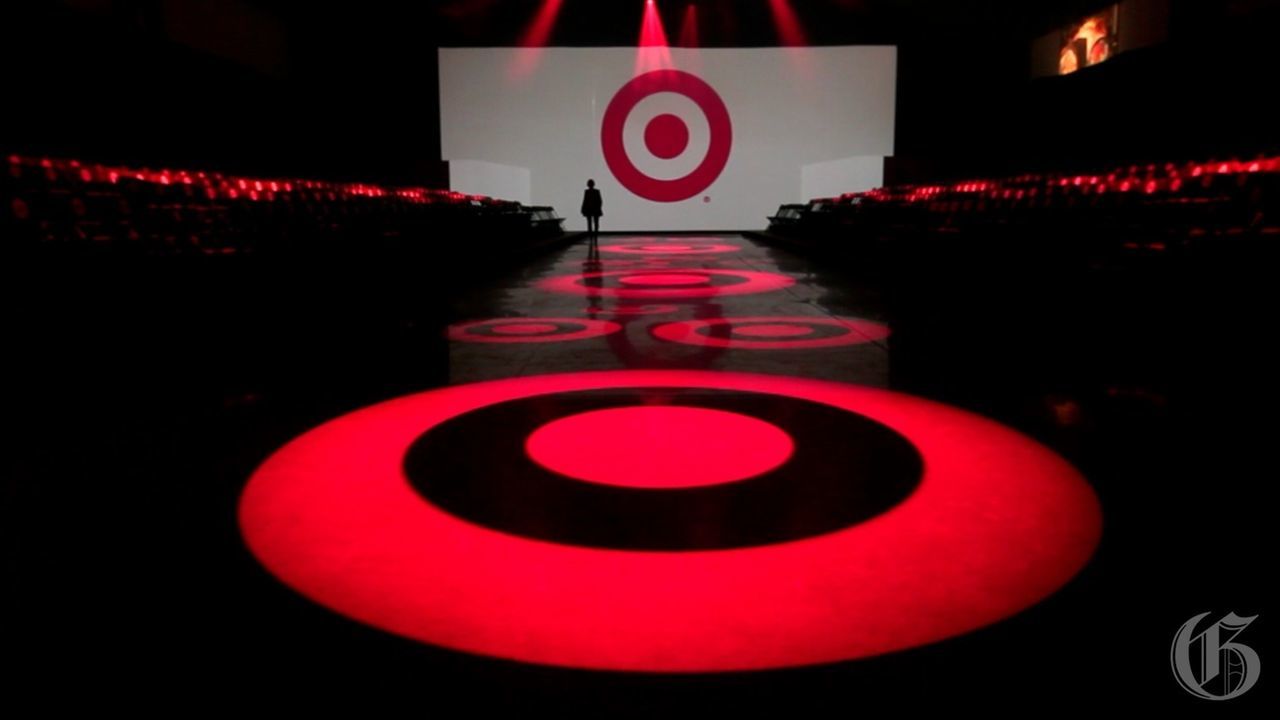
(592, 209)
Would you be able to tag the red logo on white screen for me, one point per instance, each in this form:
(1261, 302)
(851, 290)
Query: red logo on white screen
(666, 136)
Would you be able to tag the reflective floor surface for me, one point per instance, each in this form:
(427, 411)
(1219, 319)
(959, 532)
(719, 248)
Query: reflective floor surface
(670, 474)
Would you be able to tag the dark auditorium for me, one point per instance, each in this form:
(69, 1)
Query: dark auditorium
(641, 358)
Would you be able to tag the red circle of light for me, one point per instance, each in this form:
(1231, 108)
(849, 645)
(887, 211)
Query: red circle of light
(634, 310)
(648, 279)
(523, 329)
(530, 330)
(666, 136)
(689, 249)
(997, 524)
(615, 152)
(659, 447)
(756, 282)
(693, 332)
(773, 330)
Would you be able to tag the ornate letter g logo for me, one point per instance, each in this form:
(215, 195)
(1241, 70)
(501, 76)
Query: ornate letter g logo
(1200, 659)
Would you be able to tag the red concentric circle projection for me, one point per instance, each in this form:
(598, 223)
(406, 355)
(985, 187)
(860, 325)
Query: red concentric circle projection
(996, 524)
(671, 249)
(649, 263)
(531, 330)
(524, 329)
(772, 330)
(615, 152)
(614, 283)
(664, 279)
(633, 310)
(773, 333)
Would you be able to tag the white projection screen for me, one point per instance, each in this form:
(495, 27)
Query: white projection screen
(676, 139)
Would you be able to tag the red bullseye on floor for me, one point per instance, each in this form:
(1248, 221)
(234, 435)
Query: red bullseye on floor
(524, 329)
(659, 446)
(633, 309)
(664, 279)
(531, 330)
(692, 248)
(773, 331)
(995, 524)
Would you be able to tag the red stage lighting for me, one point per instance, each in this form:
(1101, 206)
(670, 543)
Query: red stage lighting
(539, 30)
(654, 52)
(689, 27)
(534, 38)
(790, 31)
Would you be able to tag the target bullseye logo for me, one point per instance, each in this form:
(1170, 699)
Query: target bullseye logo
(666, 136)
(772, 333)
(488, 518)
(531, 330)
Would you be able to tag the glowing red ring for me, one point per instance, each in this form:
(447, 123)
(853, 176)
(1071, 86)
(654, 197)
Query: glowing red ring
(463, 332)
(756, 282)
(688, 333)
(615, 152)
(997, 524)
(687, 249)
(633, 310)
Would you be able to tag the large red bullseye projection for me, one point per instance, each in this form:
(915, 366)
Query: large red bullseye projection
(996, 523)
(664, 138)
(659, 447)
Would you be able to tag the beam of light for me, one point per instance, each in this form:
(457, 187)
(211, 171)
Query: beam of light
(792, 36)
(534, 39)
(654, 52)
(790, 31)
(689, 27)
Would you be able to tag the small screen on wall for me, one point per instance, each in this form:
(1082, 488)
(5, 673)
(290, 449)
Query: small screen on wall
(1090, 41)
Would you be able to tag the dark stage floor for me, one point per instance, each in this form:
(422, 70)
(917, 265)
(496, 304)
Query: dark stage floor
(681, 564)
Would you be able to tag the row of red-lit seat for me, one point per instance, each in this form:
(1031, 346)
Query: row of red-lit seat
(1147, 206)
(65, 206)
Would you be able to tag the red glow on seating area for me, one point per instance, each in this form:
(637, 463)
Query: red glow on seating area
(217, 185)
(1156, 181)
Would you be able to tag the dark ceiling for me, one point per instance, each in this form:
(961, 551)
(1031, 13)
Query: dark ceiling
(720, 22)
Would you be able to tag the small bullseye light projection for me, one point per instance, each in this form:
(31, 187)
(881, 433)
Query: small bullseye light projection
(773, 333)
